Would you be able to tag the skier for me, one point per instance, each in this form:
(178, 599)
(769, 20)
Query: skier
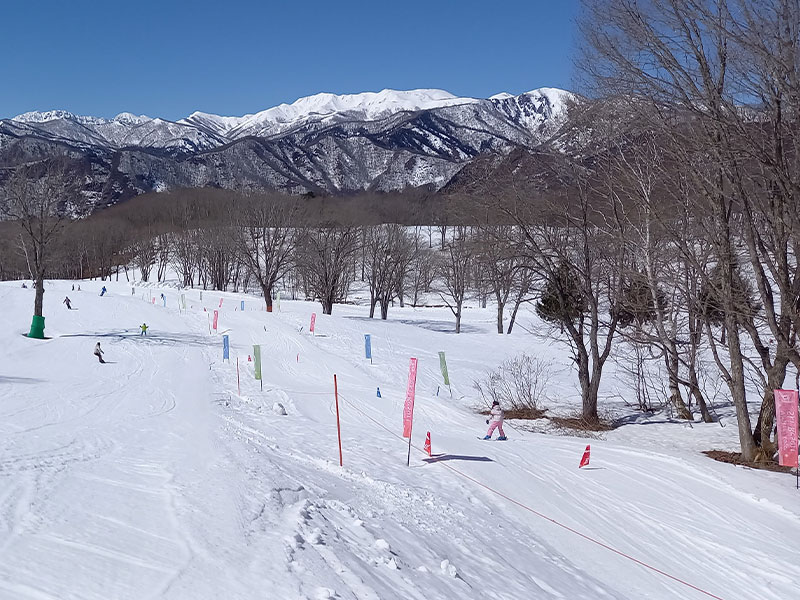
(24, 286)
(103, 291)
(99, 353)
(496, 422)
(73, 287)
(143, 327)
(67, 302)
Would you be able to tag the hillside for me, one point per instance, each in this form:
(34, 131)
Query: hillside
(152, 476)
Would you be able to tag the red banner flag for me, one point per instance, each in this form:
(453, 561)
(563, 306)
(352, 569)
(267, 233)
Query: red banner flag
(313, 320)
(216, 315)
(786, 415)
(220, 303)
(585, 458)
(427, 446)
(408, 409)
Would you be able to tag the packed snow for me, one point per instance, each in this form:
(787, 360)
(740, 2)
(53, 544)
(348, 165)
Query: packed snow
(153, 476)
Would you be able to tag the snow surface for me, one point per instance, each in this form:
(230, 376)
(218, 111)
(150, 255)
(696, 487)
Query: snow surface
(152, 477)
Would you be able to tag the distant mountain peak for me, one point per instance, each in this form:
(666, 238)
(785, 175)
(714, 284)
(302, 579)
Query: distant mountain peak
(37, 116)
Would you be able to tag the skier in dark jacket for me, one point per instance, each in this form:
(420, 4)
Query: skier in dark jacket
(103, 291)
(67, 302)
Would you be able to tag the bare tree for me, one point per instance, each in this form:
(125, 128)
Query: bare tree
(717, 80)
(454, 269)
(503, 267)
(40, 196)
(388, 253)
(571, 244)
(266, 241)
(326, 257)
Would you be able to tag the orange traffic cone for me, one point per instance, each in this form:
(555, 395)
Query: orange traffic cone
(585, 458)
(427, 446)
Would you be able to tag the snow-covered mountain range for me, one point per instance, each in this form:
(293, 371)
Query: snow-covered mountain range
(323, 143)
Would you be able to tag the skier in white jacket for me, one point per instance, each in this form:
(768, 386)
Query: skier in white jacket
(98, 352)
(496, 422)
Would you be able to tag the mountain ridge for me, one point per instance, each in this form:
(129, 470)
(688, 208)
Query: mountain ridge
(325, 143)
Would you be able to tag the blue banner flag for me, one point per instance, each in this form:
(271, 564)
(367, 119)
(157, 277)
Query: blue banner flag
(242, 304)
(368, 345)
(226, 348)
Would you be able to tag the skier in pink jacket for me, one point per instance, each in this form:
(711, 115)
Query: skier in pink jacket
(496, 422)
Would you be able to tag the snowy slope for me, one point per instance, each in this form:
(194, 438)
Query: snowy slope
(152, 477)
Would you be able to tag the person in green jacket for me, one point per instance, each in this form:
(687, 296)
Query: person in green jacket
(143, 327)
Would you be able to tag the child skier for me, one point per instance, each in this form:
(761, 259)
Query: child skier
(143, 327)
(67, 302)
(99, 353)
(496, 422)
(103, 291)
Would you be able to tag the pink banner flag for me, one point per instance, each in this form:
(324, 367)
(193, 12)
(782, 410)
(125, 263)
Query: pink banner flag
(216, 315)
(313, 320)
(786, 415)
(220, 303)
(408, 409)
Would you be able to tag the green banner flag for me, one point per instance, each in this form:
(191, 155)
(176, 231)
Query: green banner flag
(183, 301)
(257, 360)
(279, 301)
(443, 365)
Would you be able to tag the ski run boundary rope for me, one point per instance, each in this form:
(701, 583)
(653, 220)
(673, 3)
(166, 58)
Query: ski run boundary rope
(535, 512)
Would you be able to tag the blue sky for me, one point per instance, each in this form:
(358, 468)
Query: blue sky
(232, 57)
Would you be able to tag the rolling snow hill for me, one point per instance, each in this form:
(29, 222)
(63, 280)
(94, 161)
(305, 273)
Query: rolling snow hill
(153, 476)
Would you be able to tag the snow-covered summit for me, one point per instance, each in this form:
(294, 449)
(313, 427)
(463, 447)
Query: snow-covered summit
(37, 116)
(366, 106)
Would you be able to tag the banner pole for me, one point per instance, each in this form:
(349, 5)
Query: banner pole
(338, 427)
(408, 458)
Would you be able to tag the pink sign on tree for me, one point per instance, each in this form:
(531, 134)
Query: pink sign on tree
(786, 415)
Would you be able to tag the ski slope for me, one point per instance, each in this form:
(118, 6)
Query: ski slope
(152, 477)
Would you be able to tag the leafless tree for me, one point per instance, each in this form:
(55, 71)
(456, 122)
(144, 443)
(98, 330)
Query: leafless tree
(41, 196)
(388, 253)
(717, 81)
(266, 240)
(454, 269)
(325, 257)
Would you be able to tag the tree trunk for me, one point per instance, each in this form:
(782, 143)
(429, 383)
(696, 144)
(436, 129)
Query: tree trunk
(694, 390)
(267, 291)
(500, 314)
(671, 358)
(588, 390)
(38, 303)
(738, 392)
(766, 416)
(327, 304)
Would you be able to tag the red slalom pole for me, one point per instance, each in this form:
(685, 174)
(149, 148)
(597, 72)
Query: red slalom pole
(338, 427)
